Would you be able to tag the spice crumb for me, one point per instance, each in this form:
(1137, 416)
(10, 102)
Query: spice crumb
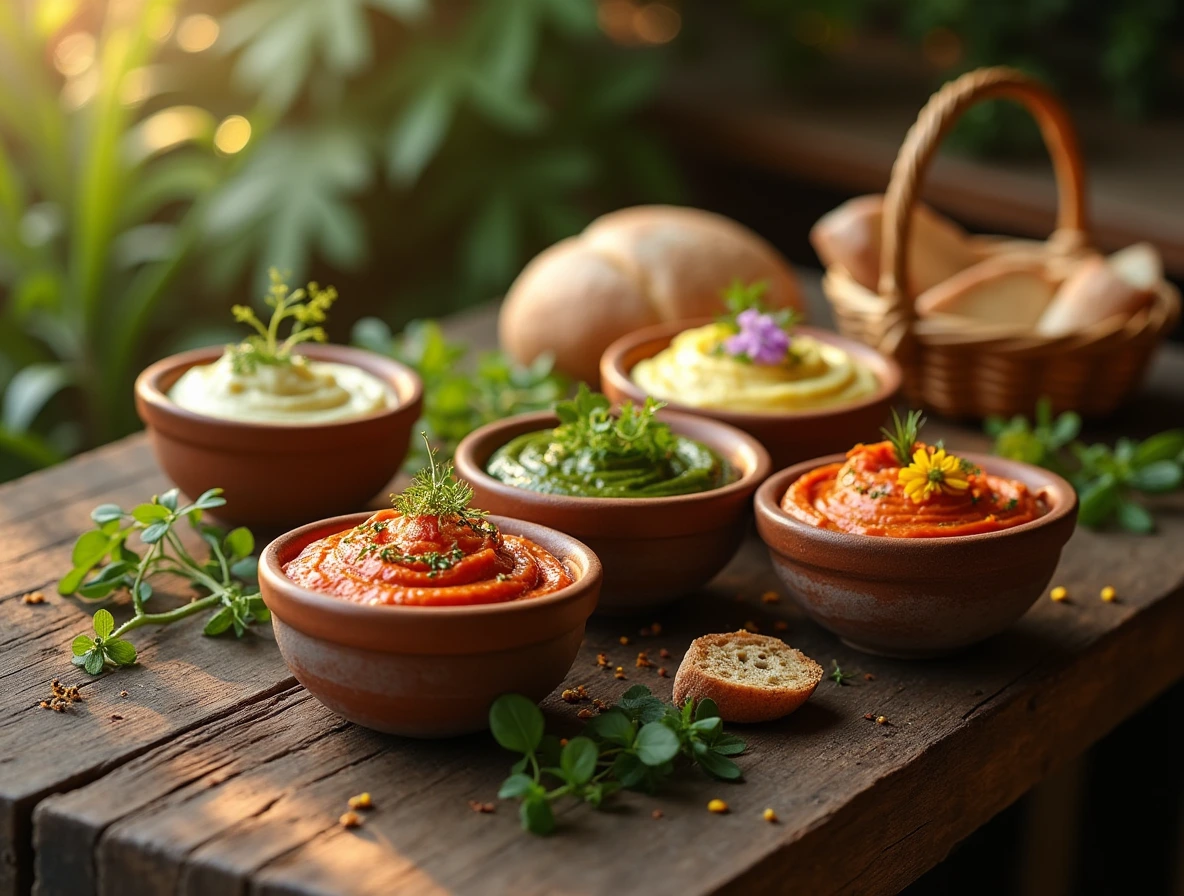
(1109, 594)
(619, 673)
(584, 714)
(350, 820)
(624, 639)
(61, 696)
(482, 808)
(662, 673)
(643, 661)
(1059, 593)
(33, 597)
(664, 653)
(656, 628)
(602, 660)
(656, 814)
(780, 625)
(563, 741)
(869, 717)
(752, 627)
(881, 720)
(867, 676)
(719, 807)
(770, 597)
(770, 816)
(600, 705)
(361, 801)
(123, 693)
(575, 695)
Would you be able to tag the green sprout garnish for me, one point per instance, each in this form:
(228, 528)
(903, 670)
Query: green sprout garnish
(435, 491)
(306, 308)
(587, 424)
(903, 435)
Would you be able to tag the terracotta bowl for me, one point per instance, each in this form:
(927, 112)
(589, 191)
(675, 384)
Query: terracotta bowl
(789, 436)
(427, 671)
(653, 549)
(277, 475)
(917, 597)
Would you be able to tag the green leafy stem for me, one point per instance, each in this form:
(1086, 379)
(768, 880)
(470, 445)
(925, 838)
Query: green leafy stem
(635, 745)
(226, 577)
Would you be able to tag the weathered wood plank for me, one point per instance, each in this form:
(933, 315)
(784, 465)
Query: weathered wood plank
(248, 805)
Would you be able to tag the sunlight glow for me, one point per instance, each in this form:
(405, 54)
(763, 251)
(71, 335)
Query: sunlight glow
(74, 54)
(197, 33)
(160, 26)
(232, 135)
(171, 127)
(136, 87)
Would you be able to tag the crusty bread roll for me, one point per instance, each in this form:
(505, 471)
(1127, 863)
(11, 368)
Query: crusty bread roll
(1004, 290)
(629, 269)
(1102, 288)
(849, 236)
(751, 678)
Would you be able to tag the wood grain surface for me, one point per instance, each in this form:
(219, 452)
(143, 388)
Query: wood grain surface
(217, 774)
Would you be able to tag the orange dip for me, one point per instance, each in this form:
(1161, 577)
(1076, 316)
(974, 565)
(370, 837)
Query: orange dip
(426, 561)
(863, 496)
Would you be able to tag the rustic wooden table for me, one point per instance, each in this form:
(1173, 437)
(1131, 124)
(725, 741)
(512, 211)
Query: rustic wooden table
(218, 774)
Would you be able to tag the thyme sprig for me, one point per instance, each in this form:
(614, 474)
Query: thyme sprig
(226, 576)
(904, 435)
(306, 308)
(435, 491)
(587, 424)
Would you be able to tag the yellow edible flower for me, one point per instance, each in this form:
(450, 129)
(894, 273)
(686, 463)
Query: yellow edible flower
(932, 473)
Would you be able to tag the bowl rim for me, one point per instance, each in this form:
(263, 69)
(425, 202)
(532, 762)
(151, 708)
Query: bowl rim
(270, 569)
(469, 466)
(889, 374)
(401, 379)
(767, 503)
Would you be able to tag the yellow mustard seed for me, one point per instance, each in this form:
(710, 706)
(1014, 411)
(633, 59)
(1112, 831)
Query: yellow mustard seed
(1108, 594)
(361, 801)
(350, 820)
(770, 816)
(1059, 593)
(719, 807)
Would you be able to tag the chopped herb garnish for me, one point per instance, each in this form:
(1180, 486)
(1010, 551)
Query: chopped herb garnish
(904, 434)
(435, 491)
(838, 676)
(587, 424)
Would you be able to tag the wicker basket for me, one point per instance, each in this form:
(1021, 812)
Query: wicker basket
(960, 371)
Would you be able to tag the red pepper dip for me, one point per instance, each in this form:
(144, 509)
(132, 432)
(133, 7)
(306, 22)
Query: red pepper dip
(427, 560)
(935, 495)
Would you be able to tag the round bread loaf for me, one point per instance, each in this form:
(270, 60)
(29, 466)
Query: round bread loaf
(627, 270)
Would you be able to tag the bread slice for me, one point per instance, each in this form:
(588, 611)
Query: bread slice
(1100, 289)
(1004, 290)
(751, 678)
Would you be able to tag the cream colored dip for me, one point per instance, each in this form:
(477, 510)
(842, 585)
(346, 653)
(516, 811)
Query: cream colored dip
(301, 392)
(814, 375)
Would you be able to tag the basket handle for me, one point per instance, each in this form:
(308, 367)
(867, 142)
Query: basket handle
(919, 147)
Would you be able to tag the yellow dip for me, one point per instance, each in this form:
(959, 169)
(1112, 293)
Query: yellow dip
(299, 392)
(692, 371)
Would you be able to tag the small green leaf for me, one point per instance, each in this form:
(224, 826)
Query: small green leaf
(239, 543)
(104, 623)
(1134, 518)
(536, 816)
(95, 590)
(155, 532)
(1162, 446)
(708, 726)
(219, 622)
(149, 513)
(122, 653)
(516, 723)
(209, 499)
(578, 760)
(1157, 476)
(94, 662)
(613, 726)
(515, 786)
(89, 549)
(246, 569)
(106, 513)
(706, 709)
(656, 744)
(629, 769)
(728, 745)
(71, 581)
(716, 764)
(1097, 501)
(81, 645)
(169, 499)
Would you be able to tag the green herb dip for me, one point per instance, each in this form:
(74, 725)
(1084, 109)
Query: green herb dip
(540, 462)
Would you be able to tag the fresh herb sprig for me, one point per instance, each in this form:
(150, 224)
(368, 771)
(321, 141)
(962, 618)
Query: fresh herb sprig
(223, 576)
(838, 676)
(306, 308)
(904, 435)
(460, 395)
(587, 424)
(637, 744)
(1107, 479)
(435, 491)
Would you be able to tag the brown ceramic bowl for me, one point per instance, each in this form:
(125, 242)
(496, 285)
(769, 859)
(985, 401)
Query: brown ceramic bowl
(917, 597)
(653, 549)
(427, 671)
(276, 475)
(789, 436)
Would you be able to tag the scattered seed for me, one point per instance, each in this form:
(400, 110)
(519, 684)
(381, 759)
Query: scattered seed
(563, 741)
(770, 597)
(482, 808)
(1109, 594)
(600, 705)
(33, 597)
(881, 720)
(656, 628)
(1059, 593)
(116, 717)
(575, 695)
(361, 801)
(664, 653)
(584, 714)
(643, 661)
(619, 673)
(780, 625)
(662, 673)
(751, 626)
(770, 816)
(869, 717)
(61, 696)
(602, 660)
(719, 807)
(123, 693)
(867, 676)
(624, 639)
(656, 814)
(350, 820)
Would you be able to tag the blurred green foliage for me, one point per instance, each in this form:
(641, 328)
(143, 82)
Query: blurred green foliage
(435, 146)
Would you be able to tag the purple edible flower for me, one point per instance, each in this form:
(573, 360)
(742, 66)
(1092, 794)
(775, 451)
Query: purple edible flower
(760, 339)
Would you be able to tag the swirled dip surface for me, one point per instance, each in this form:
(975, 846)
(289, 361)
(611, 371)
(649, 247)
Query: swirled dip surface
(424, 561)
(862, 495)
(693, 371)
(301, 392)
(538, 462)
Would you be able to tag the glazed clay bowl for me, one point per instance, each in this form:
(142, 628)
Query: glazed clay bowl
(278, 475)
(427, 671)
(653, 549)
(917, 597)
(789, 436)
